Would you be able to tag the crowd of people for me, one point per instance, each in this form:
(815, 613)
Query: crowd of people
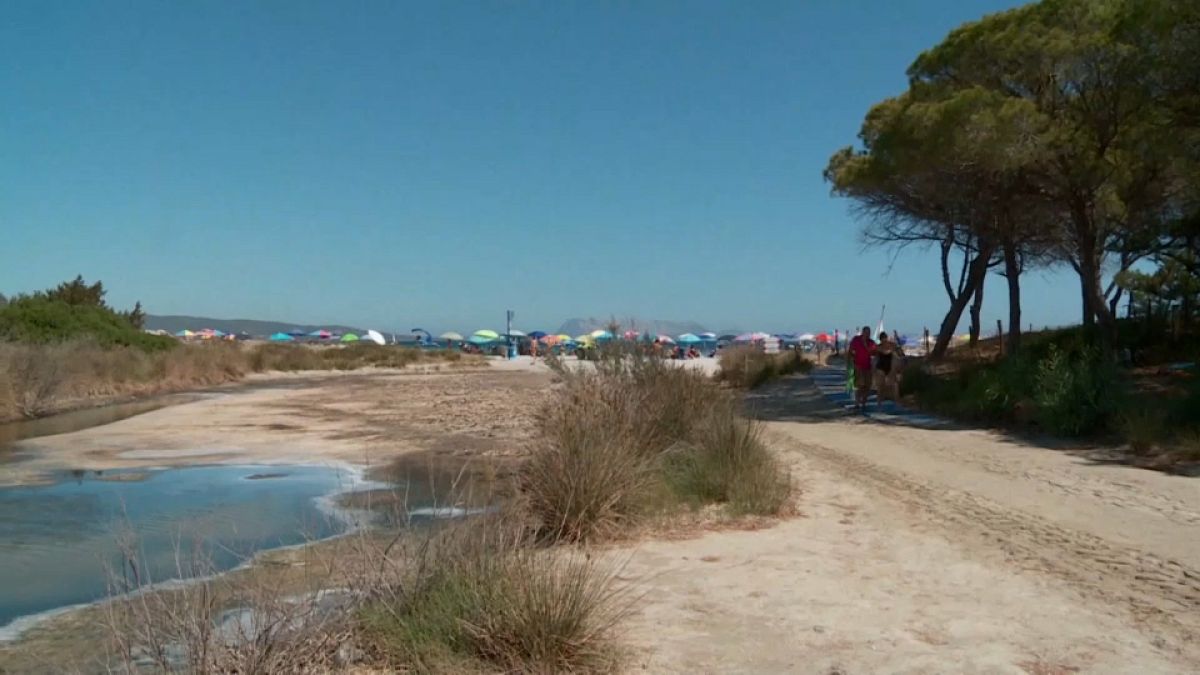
(874, 365)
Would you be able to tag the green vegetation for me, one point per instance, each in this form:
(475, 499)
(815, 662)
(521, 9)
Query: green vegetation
(639, 436)
(749, 366)
(75, 310)
(1000, 155)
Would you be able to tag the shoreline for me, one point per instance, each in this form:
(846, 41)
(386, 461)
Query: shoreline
(353, 521)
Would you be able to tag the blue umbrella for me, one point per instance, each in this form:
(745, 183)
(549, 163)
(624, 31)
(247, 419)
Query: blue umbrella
(282, 337)
(537, 334)
(688, 339)
(481, 340)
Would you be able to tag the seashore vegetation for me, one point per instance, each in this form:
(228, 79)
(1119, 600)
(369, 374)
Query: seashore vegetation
(65, 348)
(626, 446)
(748, 366)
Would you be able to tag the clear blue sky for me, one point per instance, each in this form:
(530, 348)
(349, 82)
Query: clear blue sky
(394, 164)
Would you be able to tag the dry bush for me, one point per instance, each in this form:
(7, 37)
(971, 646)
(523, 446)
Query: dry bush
(749, 366)
(637, 435)
(220, 623)
(33, 377)
(480, 597)
(728, 463)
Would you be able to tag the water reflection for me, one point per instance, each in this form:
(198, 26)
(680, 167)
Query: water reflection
(58, 541)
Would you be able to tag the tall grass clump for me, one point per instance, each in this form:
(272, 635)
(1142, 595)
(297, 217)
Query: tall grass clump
(636, 435)
(481, 597)
(749, 366)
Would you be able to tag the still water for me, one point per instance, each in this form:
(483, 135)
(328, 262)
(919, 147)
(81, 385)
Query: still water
(58, 542)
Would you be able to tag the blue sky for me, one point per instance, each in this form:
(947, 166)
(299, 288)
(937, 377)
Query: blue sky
(394, 164)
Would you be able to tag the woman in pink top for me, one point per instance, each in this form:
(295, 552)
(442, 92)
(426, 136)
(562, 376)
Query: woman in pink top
(861, 349)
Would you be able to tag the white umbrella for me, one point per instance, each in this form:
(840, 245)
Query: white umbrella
(807, 337)
(376, 337)
(451, 336)
(515, 333)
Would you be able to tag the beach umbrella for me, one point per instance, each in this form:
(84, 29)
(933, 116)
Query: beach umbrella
(689, 339)
(584, 339)
(563, 337)
(376, 337)
(708, 336)
(296, 332)
(218, 333)
(515, 333)
(601, 334)
(631, 335)
(823, 337)
(550, 340)
(321, 333)
(478, 339)
(281, 337)
(806, 337)
(349, 337)
(666, 339)
(487, 334)
(184, 333)
(727, 338)
(537, 334)
(450, 336)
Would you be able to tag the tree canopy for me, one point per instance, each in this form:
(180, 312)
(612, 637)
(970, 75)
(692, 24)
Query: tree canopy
(1047, 134)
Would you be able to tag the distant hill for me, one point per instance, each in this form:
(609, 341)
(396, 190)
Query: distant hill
(176, 323)
(654, 326)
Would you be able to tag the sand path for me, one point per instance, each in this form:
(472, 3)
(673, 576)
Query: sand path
(925, 551)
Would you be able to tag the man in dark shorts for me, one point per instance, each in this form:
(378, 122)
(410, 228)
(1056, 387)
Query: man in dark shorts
(861, 348)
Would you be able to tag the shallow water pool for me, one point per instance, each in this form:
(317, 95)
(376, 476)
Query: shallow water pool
(59, 542)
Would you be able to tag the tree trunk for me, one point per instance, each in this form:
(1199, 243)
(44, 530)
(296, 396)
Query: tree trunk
(1095, 308)
(1012, 271)
(975, 274)
(976, 310)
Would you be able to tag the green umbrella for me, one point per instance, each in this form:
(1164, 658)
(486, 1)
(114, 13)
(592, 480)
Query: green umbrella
(488, 334)
(349, 337)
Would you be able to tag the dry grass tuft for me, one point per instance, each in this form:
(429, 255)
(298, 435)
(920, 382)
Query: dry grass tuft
(748, 366)
(637, 437)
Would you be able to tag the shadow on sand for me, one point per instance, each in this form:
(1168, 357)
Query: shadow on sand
(822, 397)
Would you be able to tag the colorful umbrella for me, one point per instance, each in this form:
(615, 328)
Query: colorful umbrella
(488, 334)
(689, 339)
(601, 335)
(478, 339)
(550, 340)
(537, 334)
(349, 337)
(584, 339)
(824, 337)
(322, 333)
(184, 333)
(281, 337)
(631, 335)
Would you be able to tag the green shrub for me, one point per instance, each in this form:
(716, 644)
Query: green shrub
(38, 319)
(1074, 392)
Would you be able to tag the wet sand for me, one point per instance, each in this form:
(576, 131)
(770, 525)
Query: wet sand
(366, 419)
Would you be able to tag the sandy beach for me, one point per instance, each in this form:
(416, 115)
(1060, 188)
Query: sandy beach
(913, 551)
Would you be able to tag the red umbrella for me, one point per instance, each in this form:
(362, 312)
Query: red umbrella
(824, 337)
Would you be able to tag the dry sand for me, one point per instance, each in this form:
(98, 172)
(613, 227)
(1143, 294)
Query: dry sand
(932, 552)
(915, 552)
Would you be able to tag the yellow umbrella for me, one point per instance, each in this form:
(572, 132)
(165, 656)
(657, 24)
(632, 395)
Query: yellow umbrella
(585, 339)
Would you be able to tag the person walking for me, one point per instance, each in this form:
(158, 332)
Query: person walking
(860, 350)
(887, 368)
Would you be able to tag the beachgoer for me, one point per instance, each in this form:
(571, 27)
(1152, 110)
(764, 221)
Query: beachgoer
(860, 350)
(887, 368)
